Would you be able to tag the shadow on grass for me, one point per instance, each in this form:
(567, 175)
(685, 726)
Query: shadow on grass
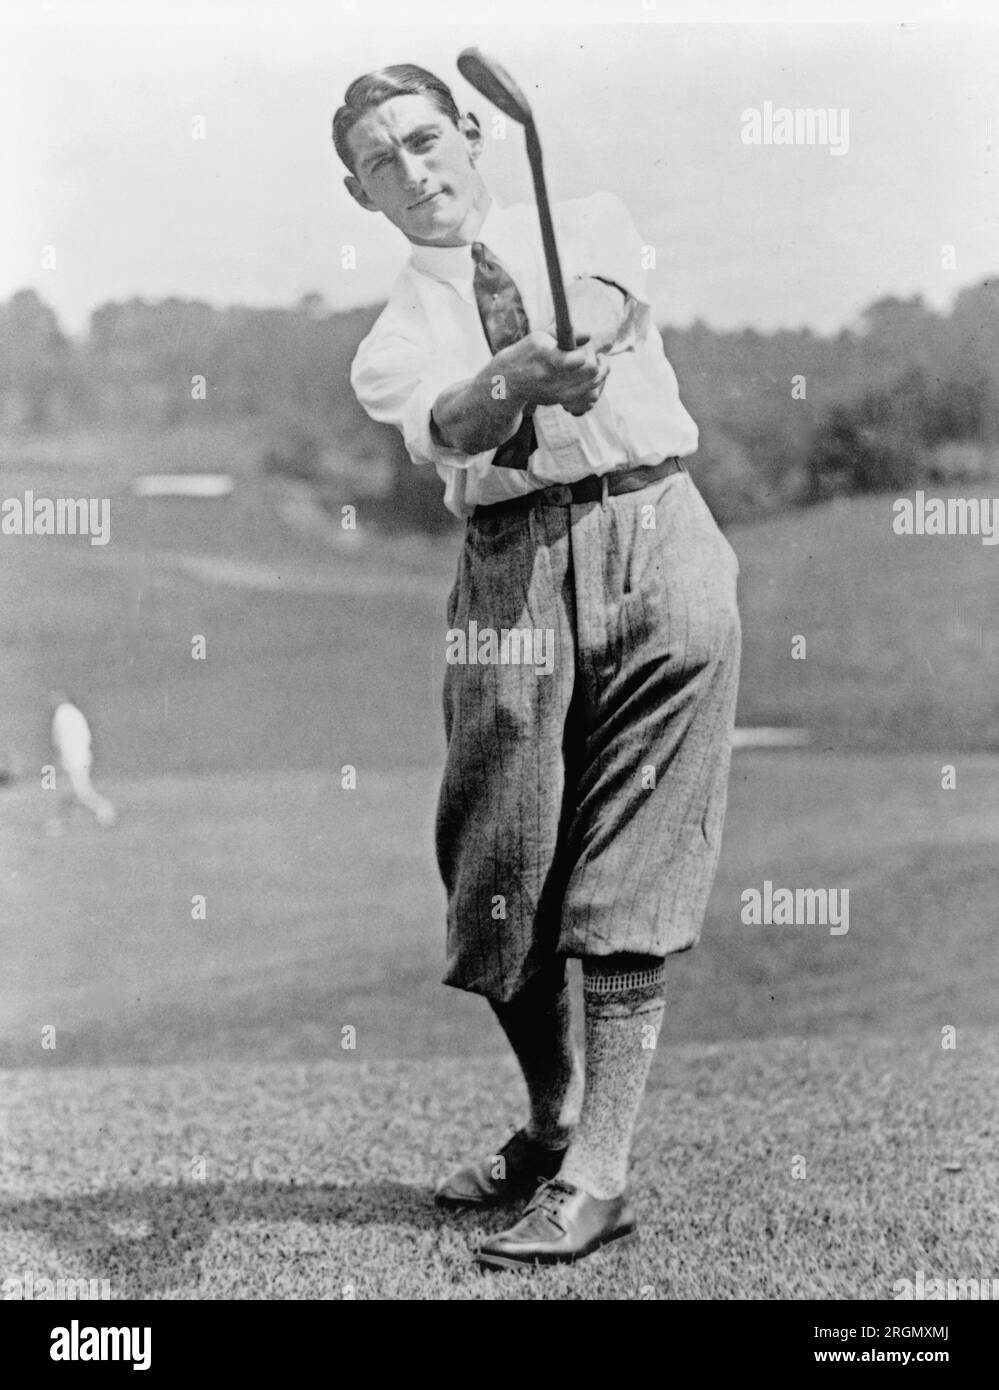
(149, 1240)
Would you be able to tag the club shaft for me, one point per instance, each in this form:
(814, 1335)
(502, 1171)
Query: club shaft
(563, 324)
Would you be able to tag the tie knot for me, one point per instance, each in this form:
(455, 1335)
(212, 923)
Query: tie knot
(480, 252)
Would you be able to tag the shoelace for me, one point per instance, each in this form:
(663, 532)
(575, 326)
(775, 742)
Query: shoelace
(549, 1198)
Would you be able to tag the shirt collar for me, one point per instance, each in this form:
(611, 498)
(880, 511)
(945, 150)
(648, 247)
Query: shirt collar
(453, 264)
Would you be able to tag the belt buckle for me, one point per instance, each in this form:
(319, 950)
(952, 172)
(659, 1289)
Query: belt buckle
(557, 495)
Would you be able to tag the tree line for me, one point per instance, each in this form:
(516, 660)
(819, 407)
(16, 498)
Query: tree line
(907, 397)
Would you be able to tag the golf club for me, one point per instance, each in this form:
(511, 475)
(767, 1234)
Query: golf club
(497, 86)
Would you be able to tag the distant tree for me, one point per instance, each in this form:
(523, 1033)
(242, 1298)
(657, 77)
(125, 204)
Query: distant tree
(905, 392)
(312, 305)
(730, 484)
(35, 362)
(899, 329)
(835, 456)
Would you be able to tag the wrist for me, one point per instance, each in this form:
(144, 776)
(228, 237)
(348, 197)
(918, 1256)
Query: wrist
(505, 371)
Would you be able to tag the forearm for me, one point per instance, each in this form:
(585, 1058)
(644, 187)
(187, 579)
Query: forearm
(485, 410)
(478, 414)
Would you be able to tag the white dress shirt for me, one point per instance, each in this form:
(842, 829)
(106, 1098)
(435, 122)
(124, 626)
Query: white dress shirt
(430, 336)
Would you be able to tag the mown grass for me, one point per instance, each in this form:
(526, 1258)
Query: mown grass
(323, 909)
(334, 655)
(295, 1181)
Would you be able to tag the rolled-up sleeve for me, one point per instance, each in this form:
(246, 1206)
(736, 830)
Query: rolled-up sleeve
(608, 246)
(396, 385)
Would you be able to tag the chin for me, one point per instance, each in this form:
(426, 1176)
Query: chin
(437, 229)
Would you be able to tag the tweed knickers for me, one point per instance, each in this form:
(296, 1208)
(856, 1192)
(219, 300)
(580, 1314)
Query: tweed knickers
(580, 812)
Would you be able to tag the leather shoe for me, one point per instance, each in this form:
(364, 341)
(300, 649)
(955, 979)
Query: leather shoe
(506, 1176)
(561, 1224)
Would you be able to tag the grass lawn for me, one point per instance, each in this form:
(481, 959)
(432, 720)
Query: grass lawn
(317, 1178)
(323, 909)
(178, 1037)
(319, 655)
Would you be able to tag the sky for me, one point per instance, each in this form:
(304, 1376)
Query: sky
(100, 104)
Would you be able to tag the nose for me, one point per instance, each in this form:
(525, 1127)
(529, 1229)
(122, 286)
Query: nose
(412, 170)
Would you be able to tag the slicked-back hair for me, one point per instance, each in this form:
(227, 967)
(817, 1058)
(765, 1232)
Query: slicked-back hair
(369, 91)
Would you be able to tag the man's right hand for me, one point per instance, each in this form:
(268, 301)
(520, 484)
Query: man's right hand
(472, 416)
(537, 372)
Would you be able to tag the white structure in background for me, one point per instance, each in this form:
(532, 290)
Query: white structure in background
(71, 742)
(183, 485)
(771, 738)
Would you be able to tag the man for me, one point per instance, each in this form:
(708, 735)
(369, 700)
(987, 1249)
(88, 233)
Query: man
(580, 812)
(71, 742)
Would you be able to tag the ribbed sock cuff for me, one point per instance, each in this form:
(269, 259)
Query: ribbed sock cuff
(609, 991)
(597, 982)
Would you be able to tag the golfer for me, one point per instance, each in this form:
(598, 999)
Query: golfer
(581, 810)
(71, 742)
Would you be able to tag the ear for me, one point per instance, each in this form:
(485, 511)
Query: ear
(353, 187)
(469, 127)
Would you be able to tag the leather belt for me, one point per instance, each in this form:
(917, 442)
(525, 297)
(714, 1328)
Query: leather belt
(592, 488)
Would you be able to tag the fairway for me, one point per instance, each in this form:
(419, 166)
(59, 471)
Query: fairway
(320, 654)
(203, 962)
(314, 1181)
(296, 942)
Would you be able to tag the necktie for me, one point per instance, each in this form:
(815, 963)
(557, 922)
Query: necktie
(504, 321)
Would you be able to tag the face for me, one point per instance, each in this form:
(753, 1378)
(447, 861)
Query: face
(419, 170)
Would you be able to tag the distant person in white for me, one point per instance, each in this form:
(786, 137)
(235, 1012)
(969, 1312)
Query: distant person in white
(71, 742)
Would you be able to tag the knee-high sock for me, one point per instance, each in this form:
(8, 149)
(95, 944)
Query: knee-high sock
(624, 1011)
(537, 1025)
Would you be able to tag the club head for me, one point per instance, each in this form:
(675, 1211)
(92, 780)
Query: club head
(495, 84)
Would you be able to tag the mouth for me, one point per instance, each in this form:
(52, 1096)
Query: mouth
(423, 202)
